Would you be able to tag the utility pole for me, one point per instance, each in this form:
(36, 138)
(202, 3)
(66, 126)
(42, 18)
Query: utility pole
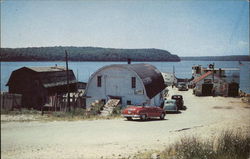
(67, 74)
(173, 76)
(213, 72)
(173, 70)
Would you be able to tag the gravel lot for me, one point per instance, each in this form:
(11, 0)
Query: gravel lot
(205, 117)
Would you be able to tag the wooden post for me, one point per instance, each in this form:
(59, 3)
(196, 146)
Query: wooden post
(213, 73)
(67, 74)
(74, 102)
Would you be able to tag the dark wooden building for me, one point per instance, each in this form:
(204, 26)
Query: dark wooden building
(37, 84)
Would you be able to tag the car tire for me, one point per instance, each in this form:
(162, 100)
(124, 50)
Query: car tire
(129, 118)
(162, 116)
(143, 117)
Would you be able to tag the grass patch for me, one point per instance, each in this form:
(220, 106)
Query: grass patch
(229, 145)
(77, 114)
(23, 111)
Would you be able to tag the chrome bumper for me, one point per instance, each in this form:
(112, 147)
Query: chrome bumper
(132, 116)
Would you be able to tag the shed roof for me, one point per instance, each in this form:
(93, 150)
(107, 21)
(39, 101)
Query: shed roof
(225, 69)
(202, 77)
(47, 69)
(48, 76)
(150, 76)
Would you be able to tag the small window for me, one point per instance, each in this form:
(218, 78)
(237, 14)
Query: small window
(128, 102)
(133, 82)
(99, 81)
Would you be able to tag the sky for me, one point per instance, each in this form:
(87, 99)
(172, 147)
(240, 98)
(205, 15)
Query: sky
(182, 27)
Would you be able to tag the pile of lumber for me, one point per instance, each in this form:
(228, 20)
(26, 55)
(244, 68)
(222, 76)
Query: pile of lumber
(109, 107)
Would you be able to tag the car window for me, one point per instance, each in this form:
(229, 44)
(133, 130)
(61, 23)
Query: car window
(169, 102)
(176, 97)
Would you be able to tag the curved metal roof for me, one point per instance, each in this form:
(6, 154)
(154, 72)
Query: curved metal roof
(151, 77)
(149, 74)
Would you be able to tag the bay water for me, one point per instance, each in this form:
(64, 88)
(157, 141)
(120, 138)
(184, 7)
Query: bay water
(83, 70)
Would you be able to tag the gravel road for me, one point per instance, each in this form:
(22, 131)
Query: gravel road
(205, 117)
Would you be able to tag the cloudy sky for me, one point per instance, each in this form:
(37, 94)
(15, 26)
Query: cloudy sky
(183, 27)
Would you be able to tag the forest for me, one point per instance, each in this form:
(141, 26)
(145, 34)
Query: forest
(57, 53)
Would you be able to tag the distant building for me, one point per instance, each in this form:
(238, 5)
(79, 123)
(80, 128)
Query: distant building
(216, 81)
(136, 84)
(81, 85)
(169, 78)
(245, 77)
(37, 84)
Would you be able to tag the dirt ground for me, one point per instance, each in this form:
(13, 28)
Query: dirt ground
(205, 117)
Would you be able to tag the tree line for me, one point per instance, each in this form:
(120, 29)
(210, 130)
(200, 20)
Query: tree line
(57, 53)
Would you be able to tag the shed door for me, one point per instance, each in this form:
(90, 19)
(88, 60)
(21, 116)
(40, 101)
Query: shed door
(207, 89)
(233, 89)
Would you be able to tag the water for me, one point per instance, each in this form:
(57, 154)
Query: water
(83, 70)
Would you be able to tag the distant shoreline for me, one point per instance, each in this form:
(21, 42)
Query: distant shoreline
(87, 61)
(216, 58)
(85, 54)
(191, 59)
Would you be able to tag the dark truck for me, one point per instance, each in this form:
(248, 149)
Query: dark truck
(179, 101)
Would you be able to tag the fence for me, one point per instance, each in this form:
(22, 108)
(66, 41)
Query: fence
(9, 101)
(59, 103)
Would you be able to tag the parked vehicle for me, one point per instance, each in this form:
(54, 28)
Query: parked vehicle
(143, 112)
(179, 101)
(182, 87)
(170, 106)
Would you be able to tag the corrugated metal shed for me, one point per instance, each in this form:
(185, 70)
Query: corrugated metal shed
(150, 75)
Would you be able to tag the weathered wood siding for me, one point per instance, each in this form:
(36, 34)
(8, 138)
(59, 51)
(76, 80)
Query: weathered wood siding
(9, 101)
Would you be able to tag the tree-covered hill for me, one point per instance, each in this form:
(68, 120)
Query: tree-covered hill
(85, 54)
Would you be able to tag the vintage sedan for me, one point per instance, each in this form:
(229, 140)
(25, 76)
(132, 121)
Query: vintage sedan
(179, 101)
(143, 112)
(170, 106)
(182, 87)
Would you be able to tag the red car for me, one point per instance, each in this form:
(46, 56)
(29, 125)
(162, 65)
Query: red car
(143, 112)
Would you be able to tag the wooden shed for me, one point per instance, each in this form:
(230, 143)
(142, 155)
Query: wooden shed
(37, 84)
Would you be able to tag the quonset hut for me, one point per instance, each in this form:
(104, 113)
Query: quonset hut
(132, 84)
(37, 84)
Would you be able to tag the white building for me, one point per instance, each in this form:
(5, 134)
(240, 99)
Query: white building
(216, 81)
(132, 84)
(169, 78)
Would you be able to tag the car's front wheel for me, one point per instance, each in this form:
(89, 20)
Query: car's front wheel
(143, 117)
(129, 118)
(162, 116)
